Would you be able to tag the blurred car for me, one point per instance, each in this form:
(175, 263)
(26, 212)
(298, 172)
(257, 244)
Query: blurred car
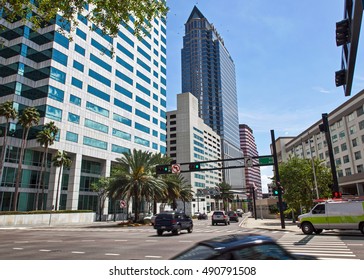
(220, 217)
(233, 216)
(240, 212)
(202, 216)
(239, 247)
(149, 218)
(173, 221)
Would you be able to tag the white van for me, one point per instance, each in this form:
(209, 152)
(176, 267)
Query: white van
(333, 215)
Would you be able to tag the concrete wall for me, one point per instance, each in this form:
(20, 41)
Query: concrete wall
(47, 219)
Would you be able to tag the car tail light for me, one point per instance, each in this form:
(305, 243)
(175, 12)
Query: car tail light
(174, 221)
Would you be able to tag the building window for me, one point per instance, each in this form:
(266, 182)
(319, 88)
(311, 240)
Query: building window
(347, 171)
(357, 155)
(340, 173)
(73, 118)
(352, 129)
(360, 168)
(344, 147)
(96, 126)
(72, 137)
(351, 117)
(97, 109)
(346, 159)
(336, 150)
(354, 142)
(88, 141)
(75, 100)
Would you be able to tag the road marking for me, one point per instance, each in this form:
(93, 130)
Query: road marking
(86, 240)
(77, 252)
(121, 240)
(21, 241)
(185, 241)
(153, 257)
(18, 248)
(44, 250)
(111, 254)
(54, 241)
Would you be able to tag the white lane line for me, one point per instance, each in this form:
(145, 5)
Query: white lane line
(54, 241)
(121, 240)
(88, 240)
(18, 248)
(185, 241)
(18, 242)
(151, 240)
(44, 250)
(111, 254)
(77, 252)
(153, 257)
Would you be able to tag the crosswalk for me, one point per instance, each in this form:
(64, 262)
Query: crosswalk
(319, 246)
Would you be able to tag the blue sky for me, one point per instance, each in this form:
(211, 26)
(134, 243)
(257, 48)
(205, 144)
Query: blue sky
(285, 57)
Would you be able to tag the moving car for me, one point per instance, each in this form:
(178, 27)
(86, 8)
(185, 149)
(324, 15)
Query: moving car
(333, 215)
(240, 212)
(202, 216)
(233, 216)
(173, 222)
(239, 247)
(220, 217)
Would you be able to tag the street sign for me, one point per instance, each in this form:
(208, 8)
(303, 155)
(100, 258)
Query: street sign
(122, 204)
(268, 160)
(176, 168)
(248, 162)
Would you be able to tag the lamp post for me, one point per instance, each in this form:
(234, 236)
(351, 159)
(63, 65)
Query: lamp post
(313, 170)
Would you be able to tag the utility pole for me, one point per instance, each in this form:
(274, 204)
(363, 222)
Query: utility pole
(276, 171)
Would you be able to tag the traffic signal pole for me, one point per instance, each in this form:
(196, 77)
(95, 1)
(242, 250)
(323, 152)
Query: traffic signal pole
(276, 171)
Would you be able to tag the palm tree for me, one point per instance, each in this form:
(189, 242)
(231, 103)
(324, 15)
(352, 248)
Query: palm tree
(225, 194)
(61, 159)
(46, 138)
(101, 187)
(134, 177)
(7, 111)
(29, 117)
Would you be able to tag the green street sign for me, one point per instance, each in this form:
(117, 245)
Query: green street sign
(266, 160)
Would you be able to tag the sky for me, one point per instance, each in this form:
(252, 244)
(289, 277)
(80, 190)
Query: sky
(285, 58)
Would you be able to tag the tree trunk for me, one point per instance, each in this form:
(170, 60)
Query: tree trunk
(136, 202)
(19, 172)
(58, 191)
(3, 152)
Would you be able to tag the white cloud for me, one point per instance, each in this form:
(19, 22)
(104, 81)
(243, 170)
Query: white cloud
(265, 174)
(321, 89)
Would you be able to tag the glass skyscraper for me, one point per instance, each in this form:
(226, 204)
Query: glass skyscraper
(208, 72)
(104, 102)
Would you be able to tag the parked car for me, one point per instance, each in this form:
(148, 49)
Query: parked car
(173, 222)
(233, 216)
(202, 216)
(220, 217)
(239, 247)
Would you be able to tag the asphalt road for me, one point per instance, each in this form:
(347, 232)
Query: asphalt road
(108, 242)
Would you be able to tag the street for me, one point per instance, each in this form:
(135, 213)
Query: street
(108, 242)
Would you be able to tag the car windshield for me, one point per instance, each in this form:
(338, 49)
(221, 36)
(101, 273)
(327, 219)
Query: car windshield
(200, 252)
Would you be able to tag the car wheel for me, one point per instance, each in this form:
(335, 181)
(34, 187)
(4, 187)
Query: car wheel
(228, 222)
(159, 232)
(190, 229)
(212, 223)
(318, 231)
(307, 228)
(361, 227)
(177, 231)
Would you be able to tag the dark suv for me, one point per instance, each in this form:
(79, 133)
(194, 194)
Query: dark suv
(172, 221)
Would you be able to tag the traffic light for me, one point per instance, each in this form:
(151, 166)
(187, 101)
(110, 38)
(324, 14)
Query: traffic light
(342, 32)
(194, 166)
(275, 191)
(340, 77)
(336, 194)
(163, 169)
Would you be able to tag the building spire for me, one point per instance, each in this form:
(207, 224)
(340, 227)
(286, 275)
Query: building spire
(195, 14)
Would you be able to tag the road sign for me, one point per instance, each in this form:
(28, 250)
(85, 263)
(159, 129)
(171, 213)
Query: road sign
(248, 162)
(176, 168)
(122, 204)
(268, 160)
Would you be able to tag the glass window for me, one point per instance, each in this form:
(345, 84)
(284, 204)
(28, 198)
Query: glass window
(77, 83)
(59, 57)
(357, 155)
(124, 77)
(73, 118)
(78, 66)
(121, 119)
(81, 34)
(141, 141)
(88, 141)
(61, 40)
(142, 127)
(96, 126)
(143, 64)
(97, 109)
(98, 93)
(346, 159)
(98, 77)
(143, 102)
(143, 77)
(125, 51)
(142, 114)
(121, 134)
(123, 105)
(352, 129)
(75, 100)
(79, 49)
(123, 91)
(126, 38)
(143, 89)
(58, 75)
(125, 64)
(119, 149)
(344, 147)
(55, 93)
(72, 137)
(101, 48)
(100, 62)
(143, 53)
(54, 113)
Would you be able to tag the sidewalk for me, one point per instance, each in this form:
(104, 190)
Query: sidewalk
(270, 224)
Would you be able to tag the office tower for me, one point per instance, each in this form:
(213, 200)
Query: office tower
(249, 148)
(189, 140)
(208, 72)
(104, 103)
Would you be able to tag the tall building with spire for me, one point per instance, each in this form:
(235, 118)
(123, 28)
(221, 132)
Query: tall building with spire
(208, 72)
